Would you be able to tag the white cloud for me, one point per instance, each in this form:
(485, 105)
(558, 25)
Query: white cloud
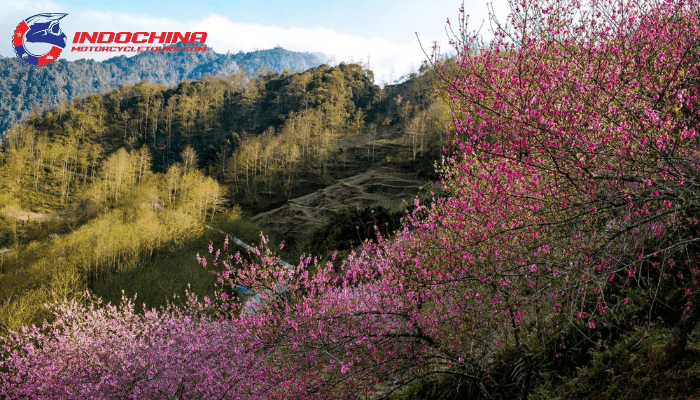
(388, 59)
(13, 13)
(384, 55)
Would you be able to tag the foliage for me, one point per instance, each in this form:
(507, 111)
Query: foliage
(299, 117)
(591, 139)
(134, 213)
(440, 387)
(633, 369)
(165, 353)
(173, 269)
(570, 219)
(351, 227)
(260, 133)
(66, 173)
(63, 81)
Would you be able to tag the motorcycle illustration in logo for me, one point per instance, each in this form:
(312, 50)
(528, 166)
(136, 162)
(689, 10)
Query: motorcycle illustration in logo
(38, 40)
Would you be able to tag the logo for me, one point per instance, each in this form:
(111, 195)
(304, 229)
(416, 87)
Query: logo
(152, 41)
(38, 40)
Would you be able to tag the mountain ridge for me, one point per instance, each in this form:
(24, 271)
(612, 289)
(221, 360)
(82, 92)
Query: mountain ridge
(25, 88)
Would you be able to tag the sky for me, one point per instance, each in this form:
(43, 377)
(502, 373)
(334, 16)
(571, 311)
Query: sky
(382, 32)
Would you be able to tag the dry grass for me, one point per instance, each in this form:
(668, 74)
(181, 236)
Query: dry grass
(384, 186)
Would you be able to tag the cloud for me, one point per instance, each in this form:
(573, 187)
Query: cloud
(389, 59)
(386, 58)
(13, 13)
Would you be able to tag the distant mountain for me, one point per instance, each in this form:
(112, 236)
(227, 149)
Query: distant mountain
(24, 87)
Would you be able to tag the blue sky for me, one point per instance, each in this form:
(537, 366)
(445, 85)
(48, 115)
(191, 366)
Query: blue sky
(349, 30)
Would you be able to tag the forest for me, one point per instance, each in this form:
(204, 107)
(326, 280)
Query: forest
(518, 219)
(24, 89)
(100, 191)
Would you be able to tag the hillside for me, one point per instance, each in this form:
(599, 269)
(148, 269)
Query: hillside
(24, 88)
(141, 171)
(519, 222)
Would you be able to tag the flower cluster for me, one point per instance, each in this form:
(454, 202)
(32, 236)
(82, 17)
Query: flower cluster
(572, 178)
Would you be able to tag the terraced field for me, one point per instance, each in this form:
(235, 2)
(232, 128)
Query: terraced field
(370, 177)
(385, 186)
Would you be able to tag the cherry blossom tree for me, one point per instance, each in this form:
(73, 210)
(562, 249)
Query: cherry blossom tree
(572, 181)
(572, 187)
(97, 351)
